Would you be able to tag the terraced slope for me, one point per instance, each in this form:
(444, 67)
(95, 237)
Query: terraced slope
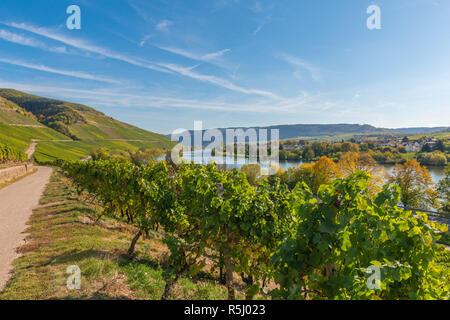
(67, 130)
(18, 127)
(78, 121)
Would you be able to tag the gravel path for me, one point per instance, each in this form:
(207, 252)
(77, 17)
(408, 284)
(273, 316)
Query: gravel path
(16, 204)
(31, 150)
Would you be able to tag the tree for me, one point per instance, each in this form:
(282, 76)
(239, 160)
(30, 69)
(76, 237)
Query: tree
(323, 171)
(444, 191)
(308, 153)
(352, 162)
(100, 154)
(146, 156)
(435, 158)
(440, 146)
(253, 173)
(427, 148)
(416, 185)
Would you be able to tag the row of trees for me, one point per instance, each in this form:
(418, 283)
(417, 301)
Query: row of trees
(9, 154)
(141, 156)
(436, 158)
(382, 155)
(416, 185)
(312, 243)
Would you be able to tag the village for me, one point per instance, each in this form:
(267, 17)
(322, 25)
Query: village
(410, 146)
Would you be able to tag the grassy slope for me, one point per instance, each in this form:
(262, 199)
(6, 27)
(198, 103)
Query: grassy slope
(20, 137)
(63, 234)
(95, 131)
(94, 126)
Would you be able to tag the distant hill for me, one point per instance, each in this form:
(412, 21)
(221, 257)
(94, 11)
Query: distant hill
(333, 131)
(317, 131)
(72, 130)
(424, 130)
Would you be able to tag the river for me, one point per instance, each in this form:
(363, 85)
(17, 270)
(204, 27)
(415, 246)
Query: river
(437, 173)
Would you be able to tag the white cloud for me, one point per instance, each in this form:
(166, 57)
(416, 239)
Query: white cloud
(124, 98)
(215, 55)
(303, 65)
(224, 83)
(75, 74)
(144, 40)
(164, 25)
(162, 67)
(82, 45)
(205, 58)
(30, 42)
(261, 25)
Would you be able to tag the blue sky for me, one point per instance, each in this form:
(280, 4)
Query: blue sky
(162, 64)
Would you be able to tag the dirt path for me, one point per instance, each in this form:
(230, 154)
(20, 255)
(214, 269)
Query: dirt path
(16, 204)
(30, 150)
(28, 125)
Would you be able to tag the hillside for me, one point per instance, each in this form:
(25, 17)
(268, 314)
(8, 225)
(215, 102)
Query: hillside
(334, 131)
(317, 131)
(71, 131)
(422, 130)
(18, 127)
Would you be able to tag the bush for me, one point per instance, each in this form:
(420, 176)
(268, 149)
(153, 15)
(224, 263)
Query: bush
(345, 233)
(8, 153)
(436, 158)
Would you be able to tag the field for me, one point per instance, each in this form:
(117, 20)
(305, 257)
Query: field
(63, 232)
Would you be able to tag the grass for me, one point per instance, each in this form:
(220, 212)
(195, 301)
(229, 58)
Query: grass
(20, 137)
(11, 116)
(62, 233)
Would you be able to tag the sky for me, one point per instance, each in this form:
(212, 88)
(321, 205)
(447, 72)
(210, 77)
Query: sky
(163, 64)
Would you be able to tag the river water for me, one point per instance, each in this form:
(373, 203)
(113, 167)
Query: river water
(437, 173)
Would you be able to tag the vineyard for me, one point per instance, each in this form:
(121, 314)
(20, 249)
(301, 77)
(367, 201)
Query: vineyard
(8, 154)
(303, 245)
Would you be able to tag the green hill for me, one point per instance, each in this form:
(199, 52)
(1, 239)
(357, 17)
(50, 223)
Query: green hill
(71, 131)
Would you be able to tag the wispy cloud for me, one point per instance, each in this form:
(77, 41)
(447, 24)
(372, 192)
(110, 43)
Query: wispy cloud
(224, 83)
(161, 67)
(30, 42)
(209, 57)
(82, 45)
(164, 25)
(301, 66)
(125, 98)
(145, 39)
(75, 74)
(261, 25)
